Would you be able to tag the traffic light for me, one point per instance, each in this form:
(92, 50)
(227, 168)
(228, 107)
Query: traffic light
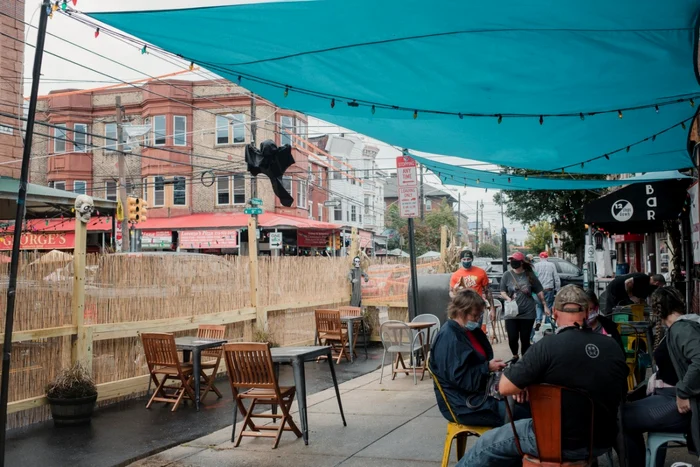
(136, 209)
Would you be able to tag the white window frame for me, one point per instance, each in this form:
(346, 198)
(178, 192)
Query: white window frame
(302, 194)
(144, 193)
(75, 188)
(320, 206)
(227, 123)
(183, 180)
(311, 209)
(155, 191)
(111, 136)
(107, 190)
(286, 130)
(61, 127)
(428, 204)
(353, 213)
(176, 133)
(58, 185)
(220, 191)
(164, 135)
(240, 191)
(302, 130)
(338, 210)
(238, 135)
(80, 147)
(287, 180)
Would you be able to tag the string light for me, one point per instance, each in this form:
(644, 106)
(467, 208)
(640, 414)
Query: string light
(75, 2)
(500, 119)
(332, 103)
(653, 138)
(541, 119)
(581, 165)
(191, 66)
(607, 157)
(619, 114)
(353, 104)
(415, 114)
(508, 179)
(97, 32)
(526, 178)
(143, 50)
(286, 91)
(562, 170)
(628, 149)
(656, 107)
(683, 125)
(581, 116)
(374, 110)
(461, 117)
(692, 103)
(478, 181)
(55, 6)
(239, 80)
(64, 5)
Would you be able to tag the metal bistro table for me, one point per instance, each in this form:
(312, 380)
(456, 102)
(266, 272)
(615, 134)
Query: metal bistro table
(297, 356)
(195, 345)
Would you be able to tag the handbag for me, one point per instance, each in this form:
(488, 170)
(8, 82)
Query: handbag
(510, 308)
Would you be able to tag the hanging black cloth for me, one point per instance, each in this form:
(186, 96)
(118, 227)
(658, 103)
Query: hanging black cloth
(272, 161)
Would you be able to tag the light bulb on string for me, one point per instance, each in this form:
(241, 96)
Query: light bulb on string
(286, 91)
(55, 6)
(191, 66)
(75, 2)
(478, 181)
(541, 119)
(619, 114)
(628, 149)
(461, 117)
(562, 170)
(500, 119)
(656, 107)
(97, 32)
(415, 114)
(692, 102)
(143, 50)
(332, 103)
(581, 164)
(606, 157)
(374, 110)
(353, 104)
(239, 80)
(64, 5)
(508, 179)
(526, 178)
(683, 125)
(581, 116)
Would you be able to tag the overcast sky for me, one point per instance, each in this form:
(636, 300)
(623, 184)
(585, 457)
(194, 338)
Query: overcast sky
(128, 64)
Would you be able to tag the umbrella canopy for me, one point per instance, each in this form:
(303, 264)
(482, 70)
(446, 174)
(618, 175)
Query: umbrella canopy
(54, 256)
(430, 254)
(588, 87)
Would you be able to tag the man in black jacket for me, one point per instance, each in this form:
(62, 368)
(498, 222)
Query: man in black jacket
(631, 288)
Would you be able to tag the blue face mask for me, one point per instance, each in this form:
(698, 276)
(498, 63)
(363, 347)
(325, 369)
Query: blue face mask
(471, 325)
(466, 264)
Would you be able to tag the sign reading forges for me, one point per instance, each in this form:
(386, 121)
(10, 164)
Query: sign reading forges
(406, 171)
(198, 239)
(275, 240)
(408, 201)
(40, 241)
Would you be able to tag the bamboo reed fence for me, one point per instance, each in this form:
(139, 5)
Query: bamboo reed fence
(129, 294)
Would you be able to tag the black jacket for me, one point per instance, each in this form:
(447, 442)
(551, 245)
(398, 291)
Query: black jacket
(684, 347)
(611, 328)
(461, 370)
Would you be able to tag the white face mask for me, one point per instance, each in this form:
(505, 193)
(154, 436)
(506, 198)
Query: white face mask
(592, 316)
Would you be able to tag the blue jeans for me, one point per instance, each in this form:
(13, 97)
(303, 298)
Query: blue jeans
(549, 298)
(497, 448)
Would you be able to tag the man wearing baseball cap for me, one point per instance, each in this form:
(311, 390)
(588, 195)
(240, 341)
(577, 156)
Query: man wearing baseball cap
(549, 278)
(576, 358)
(471, 277)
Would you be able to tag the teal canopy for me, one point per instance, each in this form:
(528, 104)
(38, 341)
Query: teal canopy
(592, 86)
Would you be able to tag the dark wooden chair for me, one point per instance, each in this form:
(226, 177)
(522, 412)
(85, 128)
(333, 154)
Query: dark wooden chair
(163, 363)
(250, 367)
(213, 357)
(330, 332)
(546, 408)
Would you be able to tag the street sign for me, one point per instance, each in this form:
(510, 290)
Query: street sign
(408, 202)
(256, 201)
(331, 203)
(406, 171)
(275, 240)
(590, 253)
(253, 211)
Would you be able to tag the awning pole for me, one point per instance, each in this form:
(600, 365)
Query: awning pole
(19, 219)
(414, 269)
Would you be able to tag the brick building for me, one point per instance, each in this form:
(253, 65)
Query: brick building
(11, 102)
(189, 164)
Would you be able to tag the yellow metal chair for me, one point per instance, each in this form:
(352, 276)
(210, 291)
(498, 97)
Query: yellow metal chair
(456, 430)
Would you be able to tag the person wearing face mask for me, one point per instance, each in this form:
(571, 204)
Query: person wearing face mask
(462, 360)
(519, 283)
(599, 323)
(631, 288)
(473, 277)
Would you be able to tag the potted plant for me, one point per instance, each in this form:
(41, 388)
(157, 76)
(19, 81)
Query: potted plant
(72, 396)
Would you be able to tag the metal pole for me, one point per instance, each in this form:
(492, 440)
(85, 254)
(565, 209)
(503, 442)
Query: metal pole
(422, 194)
(687, 252)
(414, 270)
(459, 219)
(504, 240)
(476, 250)
(121, 164)
(19, 219)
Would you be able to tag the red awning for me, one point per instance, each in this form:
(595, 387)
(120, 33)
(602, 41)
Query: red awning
(67, 224)
(233, 220)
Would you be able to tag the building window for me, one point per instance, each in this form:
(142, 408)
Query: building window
(222, 124)
(337, 174)
(366, 205)
(111, 138)
(59, 139)
(320, 177)
(80, 139)
(366, 174)
(111, 190)
(310, 174)
(180, 130)
(287, 184)
(311, 210)
(179, 191)
(302, 132)
(159, 130)
(223, 193)
(238, 183)
(351, 176)
(286, 129)
(360, 218)
(320, 212)
(80, 187)
(301, 194)
(238, 128)
(338, 212)
(428, 204)
(353, 213)
(145, 189)
(58, 185)
(158, 190)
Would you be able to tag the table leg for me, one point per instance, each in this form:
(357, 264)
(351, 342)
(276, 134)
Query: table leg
(277, 377)
(197, 363)
(335, 384)
(186, 356)
(366, 336)
(300, 384)
(351, 341)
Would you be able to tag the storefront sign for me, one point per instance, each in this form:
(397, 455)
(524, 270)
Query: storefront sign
(200, 239)
(156, 239)
(275, 240)
(695, 222)
(40, 241)
(313, 238)
(408, 202)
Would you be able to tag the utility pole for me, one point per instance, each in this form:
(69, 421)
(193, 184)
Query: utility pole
(422, 194)
(459, 219)
(483, 221)
(122, 176)
(261, 314)
(477, 229)
(504, 240)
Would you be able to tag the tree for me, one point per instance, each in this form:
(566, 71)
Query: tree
(427, 232)
(489, 250)
(564, 209)
(539, 237)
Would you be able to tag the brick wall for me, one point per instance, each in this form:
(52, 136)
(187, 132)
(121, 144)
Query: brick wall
(11, 67)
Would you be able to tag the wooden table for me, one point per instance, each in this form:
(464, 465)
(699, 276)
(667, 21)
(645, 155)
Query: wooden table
(297, 356)
(194, 345)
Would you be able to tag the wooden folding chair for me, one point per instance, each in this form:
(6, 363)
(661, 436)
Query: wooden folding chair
(359, 325)
(211, 331)
(546, 407)
(162, 360)
(330, 332)
(250, 366)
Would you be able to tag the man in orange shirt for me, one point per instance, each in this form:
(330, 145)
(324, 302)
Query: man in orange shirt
(472, 277)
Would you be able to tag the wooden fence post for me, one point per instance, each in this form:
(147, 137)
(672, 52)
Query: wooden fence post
(443, 249)
(82, 341)
(260, 311)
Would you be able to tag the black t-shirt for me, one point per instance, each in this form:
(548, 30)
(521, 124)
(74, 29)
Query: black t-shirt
(641, 287)
(584, 360)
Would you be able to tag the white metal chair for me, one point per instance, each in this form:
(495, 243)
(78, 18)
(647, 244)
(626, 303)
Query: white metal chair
(397, 338)
(427, 318)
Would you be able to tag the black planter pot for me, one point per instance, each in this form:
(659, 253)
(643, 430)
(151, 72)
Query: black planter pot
(71, 412)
